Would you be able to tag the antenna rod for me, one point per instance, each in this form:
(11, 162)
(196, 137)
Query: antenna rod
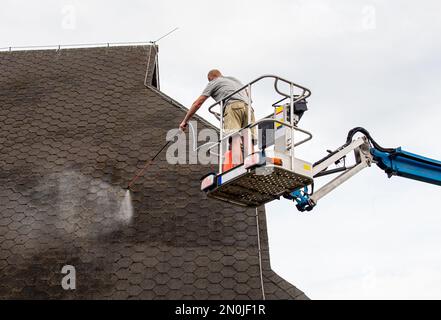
(165, 35)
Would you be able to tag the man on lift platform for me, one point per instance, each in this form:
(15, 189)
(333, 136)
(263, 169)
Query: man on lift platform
(235, 111)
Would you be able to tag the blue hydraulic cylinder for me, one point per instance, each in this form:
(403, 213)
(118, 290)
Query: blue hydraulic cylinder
(408, 165)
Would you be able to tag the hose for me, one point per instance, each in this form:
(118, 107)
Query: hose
(352, 132)
(349, 138)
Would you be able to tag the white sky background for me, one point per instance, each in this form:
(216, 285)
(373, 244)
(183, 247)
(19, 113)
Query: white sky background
(375, 64)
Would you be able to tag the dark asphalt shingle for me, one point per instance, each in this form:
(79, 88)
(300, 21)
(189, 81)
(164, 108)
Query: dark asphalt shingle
(75, 126)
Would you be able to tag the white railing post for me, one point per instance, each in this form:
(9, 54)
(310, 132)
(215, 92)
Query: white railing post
(249, 135)
(221, 136)
(291, 120)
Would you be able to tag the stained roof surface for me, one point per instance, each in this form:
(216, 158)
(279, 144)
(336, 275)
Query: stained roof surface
(75, 126)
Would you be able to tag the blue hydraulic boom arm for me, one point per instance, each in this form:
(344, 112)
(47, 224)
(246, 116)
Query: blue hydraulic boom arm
(408, 165)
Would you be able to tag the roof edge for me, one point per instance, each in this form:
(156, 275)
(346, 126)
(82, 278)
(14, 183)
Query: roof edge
(76, 46)
(180, 106)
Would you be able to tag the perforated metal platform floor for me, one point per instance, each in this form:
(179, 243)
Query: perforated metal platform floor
(259, 186)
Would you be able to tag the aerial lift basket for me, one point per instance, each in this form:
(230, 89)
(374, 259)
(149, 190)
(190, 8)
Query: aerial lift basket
(270, 168)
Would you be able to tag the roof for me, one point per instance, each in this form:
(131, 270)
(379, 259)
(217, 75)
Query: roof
(75, 126)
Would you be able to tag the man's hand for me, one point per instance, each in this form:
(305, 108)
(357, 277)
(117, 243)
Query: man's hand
(194, 107)
(183, 125)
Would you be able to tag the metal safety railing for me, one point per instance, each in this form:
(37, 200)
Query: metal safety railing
(293, 99)
(75, 46)
(87, 45)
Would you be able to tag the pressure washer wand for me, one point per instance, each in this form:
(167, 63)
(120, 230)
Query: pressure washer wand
(151, 161)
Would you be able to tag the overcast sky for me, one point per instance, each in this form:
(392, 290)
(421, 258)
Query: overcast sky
(375, 64)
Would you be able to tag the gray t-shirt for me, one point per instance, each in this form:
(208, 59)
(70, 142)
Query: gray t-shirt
(221, 87)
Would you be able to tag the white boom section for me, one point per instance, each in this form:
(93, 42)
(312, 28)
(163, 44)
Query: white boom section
(363, 159)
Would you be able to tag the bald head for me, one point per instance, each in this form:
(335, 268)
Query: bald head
(213, 74)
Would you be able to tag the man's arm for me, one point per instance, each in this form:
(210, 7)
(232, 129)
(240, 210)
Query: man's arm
(193, 109)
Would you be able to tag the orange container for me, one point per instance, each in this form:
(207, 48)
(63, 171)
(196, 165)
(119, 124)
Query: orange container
(228, 161)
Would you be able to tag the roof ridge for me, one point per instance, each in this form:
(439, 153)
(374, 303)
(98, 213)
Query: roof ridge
(76, 46)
